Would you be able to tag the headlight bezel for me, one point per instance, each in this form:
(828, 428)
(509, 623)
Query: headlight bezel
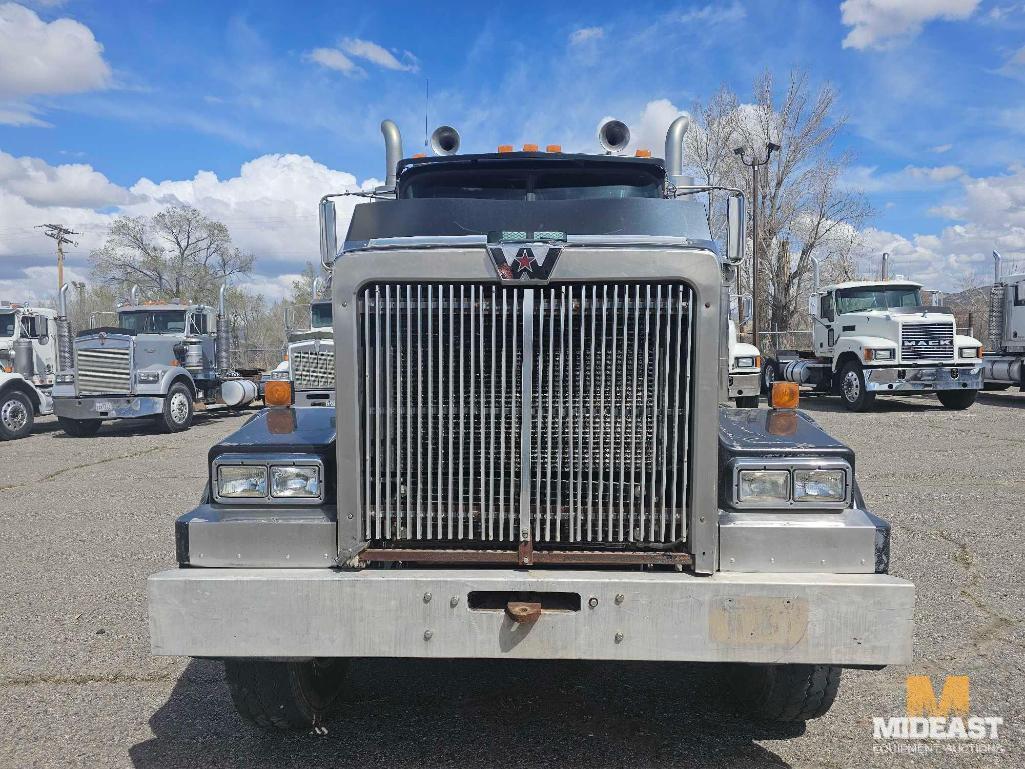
(744, 361)
(791, 466)
(268, 462)
(147, 377)
(975, 350)
(64, 377)
(882, 354)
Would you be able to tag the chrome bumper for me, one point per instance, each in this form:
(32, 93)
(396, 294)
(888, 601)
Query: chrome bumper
(926, 379)
(108, 406)
(315, 397)
(744, 384)
(843, 619)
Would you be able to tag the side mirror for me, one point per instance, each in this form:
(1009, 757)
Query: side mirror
(813, 305)
(736, 229)
(328, 235)
(746, 308)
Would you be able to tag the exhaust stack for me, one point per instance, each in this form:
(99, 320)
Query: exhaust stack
(674, 151)
(133, 295)
(997, 259)
(815, 273)
(65, 353)
(885, 269)
(223, 336)
(392, 151)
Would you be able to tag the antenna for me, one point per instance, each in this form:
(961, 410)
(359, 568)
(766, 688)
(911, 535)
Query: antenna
(59, 233)
(427, 107)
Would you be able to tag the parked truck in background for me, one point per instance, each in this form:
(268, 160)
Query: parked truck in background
(159, 361)
(310, 353)
(28, 363)
(528, 458)
(874, 338)
(744, 360)
(1004, 361)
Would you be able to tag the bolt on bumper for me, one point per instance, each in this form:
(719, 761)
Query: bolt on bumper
(925, 379)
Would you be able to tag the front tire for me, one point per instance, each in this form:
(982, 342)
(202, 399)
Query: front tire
(17, 415)
(853, 391)
(747, 401)
(79, 428)
(957, 400)
(770, 373)
(784, 692)
(178, 409)
(285, 696)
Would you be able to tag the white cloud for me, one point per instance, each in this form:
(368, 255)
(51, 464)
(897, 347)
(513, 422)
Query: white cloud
(382, 57)
(940, 149)
(38, 57)
(909, 178)
(711, 14)
(883, 23)
(585, 35)
(73, 185)
(334, 59)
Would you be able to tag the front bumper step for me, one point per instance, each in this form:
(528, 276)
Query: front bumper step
(841, 619)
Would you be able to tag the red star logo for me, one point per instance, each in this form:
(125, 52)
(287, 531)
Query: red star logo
(524, 261)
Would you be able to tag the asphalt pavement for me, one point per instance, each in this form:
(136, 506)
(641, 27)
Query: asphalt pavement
(84, 521)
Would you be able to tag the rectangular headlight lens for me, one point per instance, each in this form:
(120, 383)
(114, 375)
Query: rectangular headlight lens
(745, 362)
(764, 486)
(820, 486)
(883, 354)
(65, 377)
(969, 352)
(148, 377)
(295, 481)
(241, 481)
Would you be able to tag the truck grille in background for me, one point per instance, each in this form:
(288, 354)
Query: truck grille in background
(103, 370)
(600, 455)
(926, 341)
(312, 370)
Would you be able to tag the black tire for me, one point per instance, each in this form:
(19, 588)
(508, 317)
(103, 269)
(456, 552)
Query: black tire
(17, 415)
(747, 401)
(957, 400)
(784, 692)
(770, 373)
(851, 387)
(285, 696)
(178, 409)
(79, 428)
(998, 387)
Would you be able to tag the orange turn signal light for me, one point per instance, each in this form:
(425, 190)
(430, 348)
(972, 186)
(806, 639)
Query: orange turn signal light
(530, 148)
(277, 392)
(505, 148)
(784, 395)
(553, 148)
(758, 361)
(420, 155)
(642, 154)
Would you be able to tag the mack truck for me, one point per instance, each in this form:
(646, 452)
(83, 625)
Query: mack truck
(28, 363)
(874, 338)
(1004, 362)
(309, 362)
(161, 361)
(744, 360)
(529, 457)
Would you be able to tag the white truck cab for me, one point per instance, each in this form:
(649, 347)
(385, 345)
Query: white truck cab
(745, 361)
(1004, 362)
(28, 358)
(310, 359)
(876, 337)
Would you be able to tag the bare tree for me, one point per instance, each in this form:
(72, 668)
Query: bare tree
(179, 252)
(802, 209)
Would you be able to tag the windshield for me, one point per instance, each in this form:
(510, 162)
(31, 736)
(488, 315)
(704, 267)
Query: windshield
(525, 184)
(6, 324)
(876, 298)
(320, 314)
(153, 321)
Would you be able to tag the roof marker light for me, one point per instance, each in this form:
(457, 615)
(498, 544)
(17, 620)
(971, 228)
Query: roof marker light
(505, 148)
(420, 155)
(553, 148)
(530, 148)
(642, 154)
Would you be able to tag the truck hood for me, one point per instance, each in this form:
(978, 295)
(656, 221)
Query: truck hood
(905, 315)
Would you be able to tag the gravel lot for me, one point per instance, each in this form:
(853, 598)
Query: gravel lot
(83, 522)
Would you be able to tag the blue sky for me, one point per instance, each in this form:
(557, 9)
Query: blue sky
(249, 110)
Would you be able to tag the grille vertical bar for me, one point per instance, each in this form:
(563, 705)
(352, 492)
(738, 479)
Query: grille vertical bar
(583, 441)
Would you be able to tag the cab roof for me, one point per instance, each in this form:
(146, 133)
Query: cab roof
(160, 307)
(873, 284)
(556, 159)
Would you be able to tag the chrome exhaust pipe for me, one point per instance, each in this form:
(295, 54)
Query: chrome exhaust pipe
(613, 136)
(223, 336)
(885, 268)
(133, 295)
(815, 273)
(445, 140)
(997, 259)
(392, 151)
(65, 353)
(674, 145)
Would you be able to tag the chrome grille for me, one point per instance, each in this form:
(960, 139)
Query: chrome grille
(313, 369)
(561, 410)
(926, 341)
(103, 370)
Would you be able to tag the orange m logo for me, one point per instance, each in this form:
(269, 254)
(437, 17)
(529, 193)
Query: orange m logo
(921, 698)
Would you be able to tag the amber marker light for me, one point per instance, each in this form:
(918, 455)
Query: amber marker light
(553, 148)
(505, 148)
(642, 154)
(277, 392)
(530, 148)
(784, 395)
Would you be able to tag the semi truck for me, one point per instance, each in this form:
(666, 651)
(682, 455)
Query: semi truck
(874, 338)
(528, 457)
(1004, 361)
(161, 361)
(744, 360)
(310, 353)
(28, 363)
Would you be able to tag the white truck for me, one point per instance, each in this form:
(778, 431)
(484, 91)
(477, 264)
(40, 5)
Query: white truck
(876, 338)
(1004, 362)
(28, 363)
(745, 361)
(310, 359)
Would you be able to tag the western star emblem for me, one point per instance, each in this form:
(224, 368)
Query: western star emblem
(523, 256)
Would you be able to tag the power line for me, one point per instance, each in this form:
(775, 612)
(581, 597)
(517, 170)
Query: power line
(59, 233)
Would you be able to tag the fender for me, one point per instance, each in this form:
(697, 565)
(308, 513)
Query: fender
(167, 375)
(857, 345)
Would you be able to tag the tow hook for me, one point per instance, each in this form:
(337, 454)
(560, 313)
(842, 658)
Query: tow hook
(522, 611)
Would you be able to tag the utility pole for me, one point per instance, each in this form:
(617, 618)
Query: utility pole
(59, 233)
(752, 161)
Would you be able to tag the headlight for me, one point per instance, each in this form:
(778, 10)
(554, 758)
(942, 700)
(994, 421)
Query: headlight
(268, 478)
(970, 352)
(65, 377)
(278, 374)
(242, 481)
(880, 354)
(147, 377)
(764, 487)
(295, 481)
(745, 361)
(820, 485)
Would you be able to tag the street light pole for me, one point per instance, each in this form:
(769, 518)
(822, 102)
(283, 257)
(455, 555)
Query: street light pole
(752, 161)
